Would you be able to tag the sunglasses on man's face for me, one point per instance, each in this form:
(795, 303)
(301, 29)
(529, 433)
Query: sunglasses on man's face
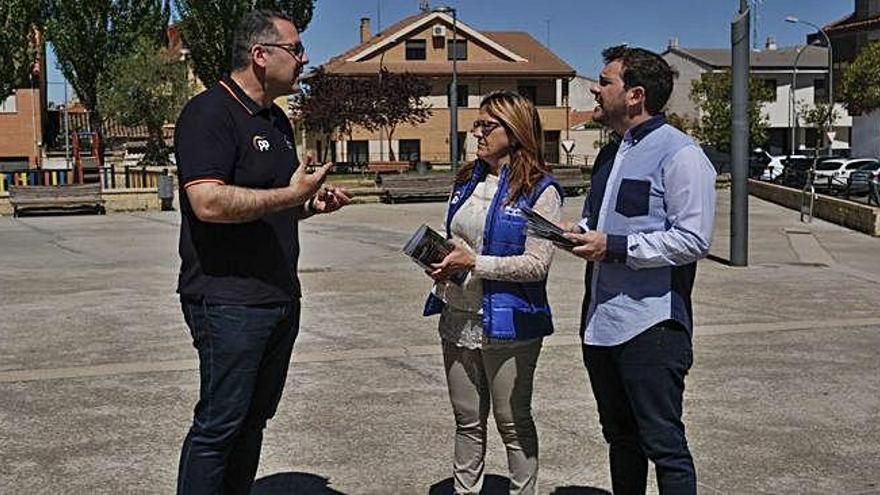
(294, 49)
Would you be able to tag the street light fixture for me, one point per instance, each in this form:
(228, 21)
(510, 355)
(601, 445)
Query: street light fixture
(453, 91)
(792, 100)
(794, 20)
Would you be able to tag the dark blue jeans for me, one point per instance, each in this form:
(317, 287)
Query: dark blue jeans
(244, 352)
(638, 387)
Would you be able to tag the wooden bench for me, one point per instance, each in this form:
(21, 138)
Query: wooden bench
(386, 167)
(56, 198)
(571, 179)
(412, 187)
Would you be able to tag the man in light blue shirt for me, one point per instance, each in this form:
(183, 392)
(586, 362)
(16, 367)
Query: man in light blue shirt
(647, 220)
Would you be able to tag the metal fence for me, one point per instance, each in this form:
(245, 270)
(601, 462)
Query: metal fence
(110, 177)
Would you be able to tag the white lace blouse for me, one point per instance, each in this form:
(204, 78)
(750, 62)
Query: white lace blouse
(461, 319)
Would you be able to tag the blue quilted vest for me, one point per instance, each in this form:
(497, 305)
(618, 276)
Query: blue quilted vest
(511, 310)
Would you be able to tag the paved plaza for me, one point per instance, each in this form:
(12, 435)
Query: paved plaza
(98, 375)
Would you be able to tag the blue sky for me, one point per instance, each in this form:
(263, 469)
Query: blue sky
(579, 29)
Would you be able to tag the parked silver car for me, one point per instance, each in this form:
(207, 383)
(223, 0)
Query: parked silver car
(860, 179)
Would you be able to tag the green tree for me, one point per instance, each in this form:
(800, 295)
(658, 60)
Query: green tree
(712, 94)
(394, 99)
(208, 29)
(147, 87)
(682, 122)
(861, 81)
(332, 105)
(819, 116)
(18, 47)
(89, 36)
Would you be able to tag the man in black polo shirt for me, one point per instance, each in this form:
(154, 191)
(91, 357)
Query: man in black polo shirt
(242, 193)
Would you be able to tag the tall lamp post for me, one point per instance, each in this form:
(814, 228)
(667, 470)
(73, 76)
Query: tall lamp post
(739, 137)
(453, 91)
(792, 100)
(795, 20)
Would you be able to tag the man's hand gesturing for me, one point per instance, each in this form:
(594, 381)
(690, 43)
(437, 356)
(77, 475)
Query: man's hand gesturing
(330, 199)
(304, 185)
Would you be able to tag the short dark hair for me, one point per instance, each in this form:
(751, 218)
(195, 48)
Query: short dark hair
(646, 69)
(257, 26)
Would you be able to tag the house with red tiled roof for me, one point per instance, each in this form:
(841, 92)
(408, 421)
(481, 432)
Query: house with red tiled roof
(486, 61)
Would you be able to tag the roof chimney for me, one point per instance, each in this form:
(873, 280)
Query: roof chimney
(771, 43)
(673, 43)
(365, 29)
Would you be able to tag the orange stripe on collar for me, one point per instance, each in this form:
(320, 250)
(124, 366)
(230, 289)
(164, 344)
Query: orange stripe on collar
(235, 96)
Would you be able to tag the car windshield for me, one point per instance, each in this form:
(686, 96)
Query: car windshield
(829, 165)
(798, 163)
(870, 167)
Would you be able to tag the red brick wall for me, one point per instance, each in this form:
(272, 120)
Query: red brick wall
(17, 134)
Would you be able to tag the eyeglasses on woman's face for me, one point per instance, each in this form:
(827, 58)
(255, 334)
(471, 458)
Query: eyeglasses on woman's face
(485, 126)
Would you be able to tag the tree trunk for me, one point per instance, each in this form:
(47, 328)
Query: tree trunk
(390, 133)
(156, 152)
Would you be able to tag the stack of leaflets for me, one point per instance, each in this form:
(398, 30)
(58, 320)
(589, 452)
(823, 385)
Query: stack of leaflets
(539, 226)
(427, 247)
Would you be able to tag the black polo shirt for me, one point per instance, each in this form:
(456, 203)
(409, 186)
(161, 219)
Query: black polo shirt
(224, 136)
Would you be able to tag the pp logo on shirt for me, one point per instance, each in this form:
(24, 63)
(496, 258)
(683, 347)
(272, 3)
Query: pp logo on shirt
(261, 144)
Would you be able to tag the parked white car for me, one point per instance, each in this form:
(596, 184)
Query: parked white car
(832, 174)
(774, 169)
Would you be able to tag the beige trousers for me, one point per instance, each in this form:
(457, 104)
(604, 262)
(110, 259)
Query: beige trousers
(500, 372)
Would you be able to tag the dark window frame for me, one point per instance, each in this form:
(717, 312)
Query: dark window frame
(412, 51)
(530, 91)
(771, 84)
(415, 148)
(459, 48)
(462, 96)
(820, 90)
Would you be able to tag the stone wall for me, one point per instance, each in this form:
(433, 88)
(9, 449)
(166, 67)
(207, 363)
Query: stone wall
(856, 216)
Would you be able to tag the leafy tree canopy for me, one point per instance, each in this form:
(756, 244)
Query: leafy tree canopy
(713, 94)
(18, 47)
(208, 28)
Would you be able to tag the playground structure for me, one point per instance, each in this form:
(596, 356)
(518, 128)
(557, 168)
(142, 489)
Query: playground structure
(87, 166)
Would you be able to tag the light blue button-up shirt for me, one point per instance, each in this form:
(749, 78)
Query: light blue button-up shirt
(655, 198)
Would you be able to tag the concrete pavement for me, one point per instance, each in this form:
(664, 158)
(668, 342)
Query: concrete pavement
(98, 376)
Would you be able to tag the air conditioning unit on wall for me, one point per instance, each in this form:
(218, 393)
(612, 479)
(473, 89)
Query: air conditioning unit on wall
(439, 31)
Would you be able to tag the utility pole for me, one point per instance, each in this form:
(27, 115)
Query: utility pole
(66, 128)
(739, 139)
(547, 20)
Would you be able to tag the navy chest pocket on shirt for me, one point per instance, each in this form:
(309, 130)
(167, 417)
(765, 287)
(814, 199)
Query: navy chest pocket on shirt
(634, 198)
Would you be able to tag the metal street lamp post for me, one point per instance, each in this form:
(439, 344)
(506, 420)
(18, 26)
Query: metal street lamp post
(792, 100)
(453, 91)
(795, 20)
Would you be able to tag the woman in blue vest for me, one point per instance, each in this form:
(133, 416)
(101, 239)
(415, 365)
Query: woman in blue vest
(492, 324)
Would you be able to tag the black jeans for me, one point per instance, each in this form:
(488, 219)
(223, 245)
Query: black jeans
(244, 352)
(638, 387)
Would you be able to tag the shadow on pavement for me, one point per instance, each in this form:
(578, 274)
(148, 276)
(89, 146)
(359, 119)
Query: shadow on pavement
(499, 485)
(492, 485)
(579, 490)
(290, 483)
